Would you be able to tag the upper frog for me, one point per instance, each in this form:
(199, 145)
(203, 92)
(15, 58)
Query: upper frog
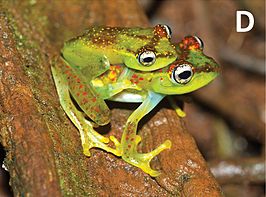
(144, 49)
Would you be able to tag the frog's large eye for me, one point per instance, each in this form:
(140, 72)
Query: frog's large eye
(168, 30)
(182, 74)
(147, 58)
(201, 44)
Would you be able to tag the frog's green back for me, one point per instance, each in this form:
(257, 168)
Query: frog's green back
(120, 46)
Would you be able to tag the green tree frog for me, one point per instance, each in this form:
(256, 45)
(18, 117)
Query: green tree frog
(191, 71)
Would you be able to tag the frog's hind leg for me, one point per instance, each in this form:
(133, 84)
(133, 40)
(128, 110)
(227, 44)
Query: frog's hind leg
(89, 137)
(130, 139)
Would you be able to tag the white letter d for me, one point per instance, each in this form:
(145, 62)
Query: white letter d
(238, 21)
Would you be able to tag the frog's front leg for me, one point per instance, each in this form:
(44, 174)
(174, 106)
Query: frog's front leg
(130, 139)
(89, 137)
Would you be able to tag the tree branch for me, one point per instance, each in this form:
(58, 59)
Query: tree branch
(243, 170)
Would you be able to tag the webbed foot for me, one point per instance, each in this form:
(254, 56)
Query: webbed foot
(96, 140)
(142, 160)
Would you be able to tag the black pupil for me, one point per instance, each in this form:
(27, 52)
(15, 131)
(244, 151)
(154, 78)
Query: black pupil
(148, 59)
(184, 75)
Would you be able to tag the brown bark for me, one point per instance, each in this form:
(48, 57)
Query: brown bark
(44, 153)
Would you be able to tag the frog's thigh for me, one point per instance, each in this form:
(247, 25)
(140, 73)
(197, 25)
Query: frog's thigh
(89, 137)
(130, 139)
(93, 106)
(86, 97)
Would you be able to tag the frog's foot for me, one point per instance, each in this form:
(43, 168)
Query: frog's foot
(180, 112)
(96, 140)
(142, 160)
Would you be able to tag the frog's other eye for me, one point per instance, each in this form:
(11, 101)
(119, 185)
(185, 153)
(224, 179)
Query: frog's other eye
(147, 58)
(201, 44)
(191, 43)
(182, 74)
(168, 30)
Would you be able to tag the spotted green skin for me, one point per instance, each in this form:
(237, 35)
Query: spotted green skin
(123, 84)
(99, 47)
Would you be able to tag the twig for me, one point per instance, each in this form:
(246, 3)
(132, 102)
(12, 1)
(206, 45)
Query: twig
(242, 170)
(242, 61)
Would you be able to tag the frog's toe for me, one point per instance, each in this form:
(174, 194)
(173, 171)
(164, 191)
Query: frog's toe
(117, 144)
(86, 150)
(99, 138)
(151, 172)
(149, 156)
(115, 141)
(105, 140)
(142, 160)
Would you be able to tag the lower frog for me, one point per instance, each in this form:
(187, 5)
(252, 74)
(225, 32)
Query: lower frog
(191, 71)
